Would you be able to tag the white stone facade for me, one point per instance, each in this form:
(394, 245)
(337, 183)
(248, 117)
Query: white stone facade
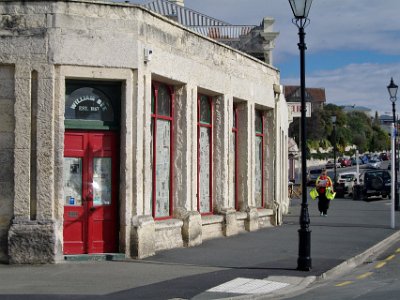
(46, 43)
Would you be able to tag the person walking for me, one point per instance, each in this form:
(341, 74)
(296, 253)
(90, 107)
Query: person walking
(323, 183)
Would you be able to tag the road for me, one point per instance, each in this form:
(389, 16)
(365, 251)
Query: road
(377, 279)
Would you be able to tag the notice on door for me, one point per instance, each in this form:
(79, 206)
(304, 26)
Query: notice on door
(72, 181)
(102, 181)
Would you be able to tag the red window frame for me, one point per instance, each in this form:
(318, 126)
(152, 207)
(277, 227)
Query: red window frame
(207, 125)
(154, 117)
(235, 131)
(262, 135)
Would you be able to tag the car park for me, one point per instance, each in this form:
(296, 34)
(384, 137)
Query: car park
(373, 183)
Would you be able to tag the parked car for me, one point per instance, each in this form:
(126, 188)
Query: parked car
(345, 162)
(330, 165)
(384, 156)
(344, 184)
(372, 183)
(312, 175)
(354, 161)
(374, 163)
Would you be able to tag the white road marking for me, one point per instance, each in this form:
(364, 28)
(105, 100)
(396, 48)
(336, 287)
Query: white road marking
(248, 286)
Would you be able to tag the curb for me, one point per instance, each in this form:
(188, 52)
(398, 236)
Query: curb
(339, 269)
(362, 257)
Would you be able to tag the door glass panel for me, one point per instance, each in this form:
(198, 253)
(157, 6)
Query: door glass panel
(102, 181)
(232, 164)
(205, 110)
(163, 102)
(72, 181)
(163, 150)
(204, 148)
(258, 172)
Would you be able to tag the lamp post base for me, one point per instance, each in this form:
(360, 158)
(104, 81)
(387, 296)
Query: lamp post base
(304, 259)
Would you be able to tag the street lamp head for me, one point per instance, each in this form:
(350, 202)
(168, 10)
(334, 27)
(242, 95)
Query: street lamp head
(300, 8)
(392, 88)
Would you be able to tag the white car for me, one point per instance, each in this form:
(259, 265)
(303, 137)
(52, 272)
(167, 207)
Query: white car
(374, 164)
(345, 182)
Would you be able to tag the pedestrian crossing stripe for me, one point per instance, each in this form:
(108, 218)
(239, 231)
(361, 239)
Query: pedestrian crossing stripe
(248, 286)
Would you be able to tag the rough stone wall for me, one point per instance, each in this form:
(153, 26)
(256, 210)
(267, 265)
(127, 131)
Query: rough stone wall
(85, 39)
(7, 127)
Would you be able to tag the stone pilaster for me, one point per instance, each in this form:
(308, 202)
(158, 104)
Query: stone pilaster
(222, 131)
(230, 225)
(251, 222)
(143, 233)
(192, 227)
(32, 242)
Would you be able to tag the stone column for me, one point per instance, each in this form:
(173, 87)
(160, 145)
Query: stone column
(222, 135)
(142, 237)
(32, 237)
(246, 164)
(185, 165)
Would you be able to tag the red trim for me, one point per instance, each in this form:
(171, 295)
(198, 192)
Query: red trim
(210, 126)
(154, 117)
(235, 130)
(262, 135)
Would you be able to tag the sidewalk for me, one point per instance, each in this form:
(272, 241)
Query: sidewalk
(239, 266)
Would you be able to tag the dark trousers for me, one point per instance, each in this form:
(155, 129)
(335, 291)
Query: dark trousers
(323, 203)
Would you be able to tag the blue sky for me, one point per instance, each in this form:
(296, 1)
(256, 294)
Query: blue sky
(353, 46)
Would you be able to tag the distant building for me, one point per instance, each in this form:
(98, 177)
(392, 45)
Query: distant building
(353, 108)
(257, 41)
(316, 96)
(386, 122)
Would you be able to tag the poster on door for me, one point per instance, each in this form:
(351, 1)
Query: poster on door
(72, 181)
(102, 181)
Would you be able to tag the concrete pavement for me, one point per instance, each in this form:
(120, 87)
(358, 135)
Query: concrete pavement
(254, 265)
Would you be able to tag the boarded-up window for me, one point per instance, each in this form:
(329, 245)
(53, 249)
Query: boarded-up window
(161, 150)
(204, 154)
(259, 159)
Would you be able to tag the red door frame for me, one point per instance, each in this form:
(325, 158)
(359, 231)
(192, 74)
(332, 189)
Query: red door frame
(210, 126)
(235, 131)
(262, 135)
(91, 228)
(155, 116)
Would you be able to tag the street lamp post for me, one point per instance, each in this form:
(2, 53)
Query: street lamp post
(392, 88)
(333, 118)
(300, 10)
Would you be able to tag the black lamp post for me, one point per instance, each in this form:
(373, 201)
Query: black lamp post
(300, 10)
(392, 88)
(333, 118)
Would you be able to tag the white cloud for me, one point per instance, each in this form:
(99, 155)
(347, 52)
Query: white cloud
(359, 84)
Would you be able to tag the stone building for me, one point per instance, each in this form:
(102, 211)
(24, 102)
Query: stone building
(258, 41)
(122, 131)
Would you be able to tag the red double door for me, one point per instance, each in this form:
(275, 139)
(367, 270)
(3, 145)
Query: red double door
(90, 192)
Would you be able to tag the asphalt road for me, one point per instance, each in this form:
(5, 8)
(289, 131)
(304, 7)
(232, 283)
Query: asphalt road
(376, 279)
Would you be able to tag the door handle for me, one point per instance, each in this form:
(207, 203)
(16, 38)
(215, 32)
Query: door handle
(92, 208)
